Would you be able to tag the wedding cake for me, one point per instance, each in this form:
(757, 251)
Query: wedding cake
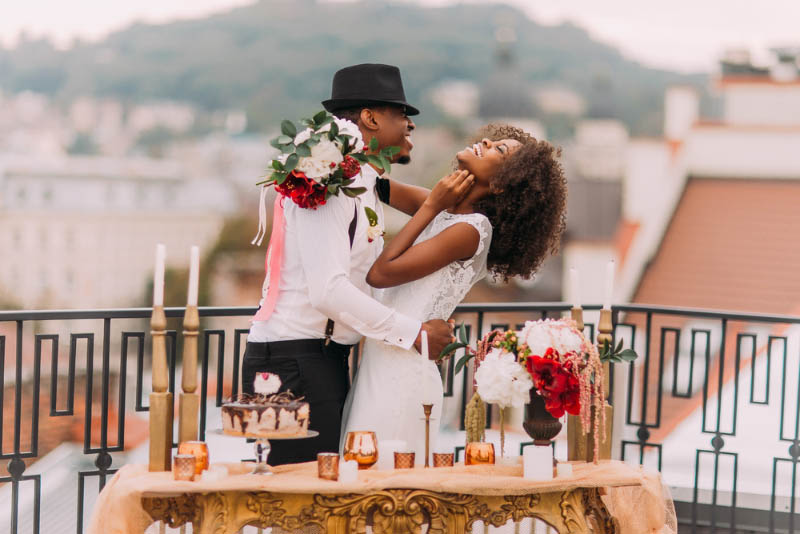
(267, 414)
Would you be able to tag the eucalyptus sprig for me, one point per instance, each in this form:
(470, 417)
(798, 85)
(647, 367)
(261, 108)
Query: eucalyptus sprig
(617, 354)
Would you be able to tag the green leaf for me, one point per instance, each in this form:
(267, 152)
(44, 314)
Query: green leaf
(462, 334)
(280, 177)
(391, 151)
(276, 144)
(277, 165)
(374, 160)
(462, 362)
(288, 149)
(325, 121)
(373, 144)
(303, 150)
(285, 139)
(291, 163)
(333, 132)
(628, 355)
(449, 349)
(353, 191)
(619, 346)
(386, 165)
(319, 117)
(288, 128)
(372, 217)
(333, 189)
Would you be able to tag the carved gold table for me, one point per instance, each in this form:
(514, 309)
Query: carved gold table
(449, 500)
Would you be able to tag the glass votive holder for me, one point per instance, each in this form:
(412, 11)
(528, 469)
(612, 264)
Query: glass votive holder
(328, 465)
(183, 466)
(199, 450)
(478, 453)
(361, 446)
(443, 459)
(404, 460)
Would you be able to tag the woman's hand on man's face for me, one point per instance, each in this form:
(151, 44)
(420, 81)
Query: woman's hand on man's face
(450, 190)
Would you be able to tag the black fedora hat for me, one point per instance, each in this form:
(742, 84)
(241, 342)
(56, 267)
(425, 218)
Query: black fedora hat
(367, 84)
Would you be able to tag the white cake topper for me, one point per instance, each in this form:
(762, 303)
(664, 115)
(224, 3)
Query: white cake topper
(266, 383)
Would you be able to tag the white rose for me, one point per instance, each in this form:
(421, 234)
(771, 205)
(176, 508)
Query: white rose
(502, 380)
(324, 157)
(350, 128)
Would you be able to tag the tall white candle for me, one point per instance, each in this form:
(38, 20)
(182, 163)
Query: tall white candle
(158, 275)
(194, 276)
(575, 287)
(609, 289)
(424, 377)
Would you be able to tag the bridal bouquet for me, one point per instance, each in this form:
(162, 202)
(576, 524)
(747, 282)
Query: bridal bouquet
(321, 159)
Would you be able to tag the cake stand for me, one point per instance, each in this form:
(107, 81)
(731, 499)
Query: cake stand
(262, 447)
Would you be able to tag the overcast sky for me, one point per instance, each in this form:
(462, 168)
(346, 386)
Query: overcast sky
(684, 35)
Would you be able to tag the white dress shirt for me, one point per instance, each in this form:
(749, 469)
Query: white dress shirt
(322, 277)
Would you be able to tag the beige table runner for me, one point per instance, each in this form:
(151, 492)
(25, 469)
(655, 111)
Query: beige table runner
(634, 496)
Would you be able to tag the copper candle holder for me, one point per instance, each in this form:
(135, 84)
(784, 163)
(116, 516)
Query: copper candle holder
(361, 446)
(478, 453)
(199, 450)
(183, 466)
(328, 465)
(443, 459)
(404, 460)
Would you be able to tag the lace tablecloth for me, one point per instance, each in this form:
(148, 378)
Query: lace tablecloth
(634, 497)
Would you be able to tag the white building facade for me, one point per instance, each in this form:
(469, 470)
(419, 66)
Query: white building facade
(80, 232)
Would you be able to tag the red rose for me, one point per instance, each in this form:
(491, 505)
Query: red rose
(303, 191)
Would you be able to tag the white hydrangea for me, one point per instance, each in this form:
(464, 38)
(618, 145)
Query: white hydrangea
(502, 380)
(345, 127)
(558, 334)
(325, 155)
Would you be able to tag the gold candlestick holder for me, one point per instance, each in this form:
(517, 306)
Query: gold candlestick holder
(189, 399)
(161, 407)
(577, 315)
(427, 408)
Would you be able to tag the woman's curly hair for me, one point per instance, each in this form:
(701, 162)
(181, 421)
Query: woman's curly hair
(528, 206)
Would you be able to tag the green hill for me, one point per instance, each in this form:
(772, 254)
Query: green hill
(276, 58)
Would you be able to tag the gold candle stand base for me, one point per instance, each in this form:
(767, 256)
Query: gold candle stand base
(161, 417)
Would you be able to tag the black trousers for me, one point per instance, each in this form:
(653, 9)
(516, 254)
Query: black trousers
(308, 368)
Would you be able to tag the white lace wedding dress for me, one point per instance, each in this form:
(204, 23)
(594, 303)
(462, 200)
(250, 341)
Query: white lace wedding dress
(388, 390)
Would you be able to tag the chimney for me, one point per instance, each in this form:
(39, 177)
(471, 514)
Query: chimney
(681, 111)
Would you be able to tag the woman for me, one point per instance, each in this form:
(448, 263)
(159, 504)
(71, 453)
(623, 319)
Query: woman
(503, 211)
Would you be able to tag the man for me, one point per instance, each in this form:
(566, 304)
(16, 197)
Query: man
(324, 304)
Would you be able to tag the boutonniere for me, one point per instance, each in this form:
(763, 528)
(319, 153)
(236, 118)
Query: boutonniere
(375, 230)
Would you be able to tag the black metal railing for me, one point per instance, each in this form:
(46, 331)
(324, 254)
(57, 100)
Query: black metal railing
(679, 406)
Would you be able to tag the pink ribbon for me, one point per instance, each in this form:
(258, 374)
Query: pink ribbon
(273, 261)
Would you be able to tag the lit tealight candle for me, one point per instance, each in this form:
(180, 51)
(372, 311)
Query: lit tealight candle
(158, 275)
(348, 471)
(537, 462)
(194, 276)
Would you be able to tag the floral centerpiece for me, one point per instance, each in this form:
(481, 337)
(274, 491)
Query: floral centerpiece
(322, 159)
(549, 358)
